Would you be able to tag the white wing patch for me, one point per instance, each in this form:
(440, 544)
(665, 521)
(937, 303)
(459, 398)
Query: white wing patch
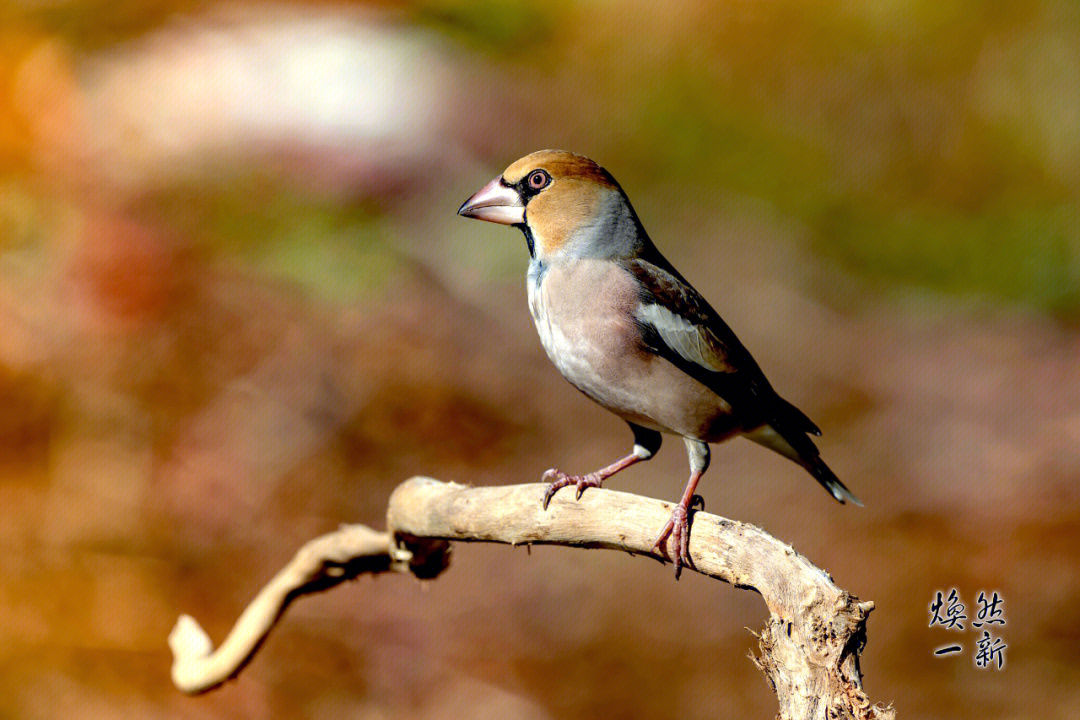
(684, 337)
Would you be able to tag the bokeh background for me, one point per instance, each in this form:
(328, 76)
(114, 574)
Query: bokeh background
(237, 308)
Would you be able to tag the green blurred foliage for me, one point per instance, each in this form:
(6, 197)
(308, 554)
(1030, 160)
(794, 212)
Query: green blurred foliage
(500, 28)
(331, 250)
(930, 144)
(924, 144)
(1025, 255)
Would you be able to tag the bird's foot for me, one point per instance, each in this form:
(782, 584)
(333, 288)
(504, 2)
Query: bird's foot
(559, 480)
(678, 529)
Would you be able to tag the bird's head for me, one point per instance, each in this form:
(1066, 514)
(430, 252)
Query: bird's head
(566, 204)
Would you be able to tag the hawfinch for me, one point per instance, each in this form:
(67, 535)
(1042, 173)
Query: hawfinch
(625, 328)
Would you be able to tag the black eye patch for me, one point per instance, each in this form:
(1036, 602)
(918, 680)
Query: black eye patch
(533, 183)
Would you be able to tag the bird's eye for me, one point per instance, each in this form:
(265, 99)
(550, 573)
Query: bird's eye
(539, 179)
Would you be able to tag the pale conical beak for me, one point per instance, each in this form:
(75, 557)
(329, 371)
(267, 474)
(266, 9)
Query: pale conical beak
(496, 202)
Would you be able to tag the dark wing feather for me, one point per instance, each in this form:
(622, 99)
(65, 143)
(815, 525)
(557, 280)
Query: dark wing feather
(679, 325)
(682, 327)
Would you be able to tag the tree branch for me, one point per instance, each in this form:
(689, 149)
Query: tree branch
(810, 645)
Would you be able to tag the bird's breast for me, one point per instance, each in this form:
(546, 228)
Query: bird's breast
(584, 314)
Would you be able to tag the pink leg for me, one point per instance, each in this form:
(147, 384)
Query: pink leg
(559, 479)
(678, 526)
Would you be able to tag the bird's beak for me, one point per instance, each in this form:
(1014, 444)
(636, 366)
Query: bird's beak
(496, 202)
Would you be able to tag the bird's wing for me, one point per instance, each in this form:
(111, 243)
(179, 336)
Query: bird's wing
(674, 313)
(679, 325)
(691, 341)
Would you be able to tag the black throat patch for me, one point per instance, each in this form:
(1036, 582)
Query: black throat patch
(529, 240)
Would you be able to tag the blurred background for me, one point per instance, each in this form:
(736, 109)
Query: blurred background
(237, 308)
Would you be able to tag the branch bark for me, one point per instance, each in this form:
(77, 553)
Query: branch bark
(810, 645)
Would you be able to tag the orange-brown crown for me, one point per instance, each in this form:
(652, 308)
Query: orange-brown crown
(559, 164)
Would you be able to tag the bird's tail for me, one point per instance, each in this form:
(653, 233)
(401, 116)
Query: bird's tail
(792, 417)
(793, 444)
(821, 472)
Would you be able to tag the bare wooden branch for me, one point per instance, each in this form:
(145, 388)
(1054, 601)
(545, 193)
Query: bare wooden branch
(809, 648)
(320, 564)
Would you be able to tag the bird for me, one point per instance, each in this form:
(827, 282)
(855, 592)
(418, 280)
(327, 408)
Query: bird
(631, 333)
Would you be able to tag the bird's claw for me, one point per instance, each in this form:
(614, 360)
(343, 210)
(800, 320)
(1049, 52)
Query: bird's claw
(559, 480)
(678, 529)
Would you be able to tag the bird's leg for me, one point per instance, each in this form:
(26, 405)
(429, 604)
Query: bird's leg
(678, 525)
(646, 443)
(559, 479)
